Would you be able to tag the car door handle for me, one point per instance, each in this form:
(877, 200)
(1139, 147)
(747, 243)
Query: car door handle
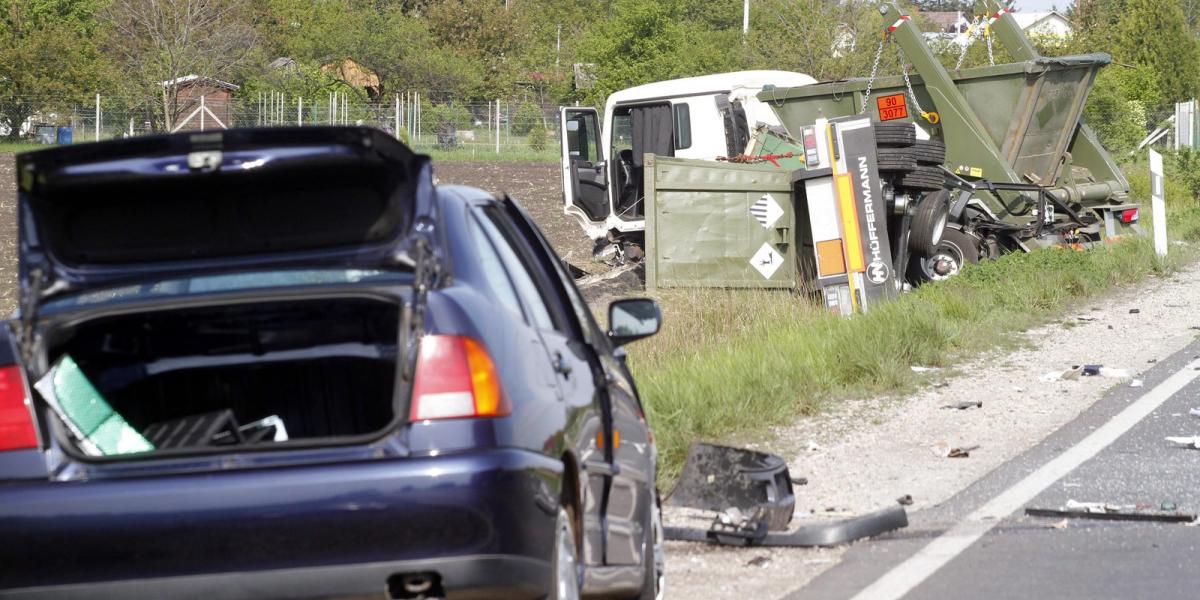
(560, 365)
(597, 467)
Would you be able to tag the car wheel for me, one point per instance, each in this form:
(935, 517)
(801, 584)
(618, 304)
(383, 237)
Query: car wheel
(654, 556)
(565, 565)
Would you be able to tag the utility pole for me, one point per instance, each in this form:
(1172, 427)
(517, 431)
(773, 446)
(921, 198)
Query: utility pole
(745, 18)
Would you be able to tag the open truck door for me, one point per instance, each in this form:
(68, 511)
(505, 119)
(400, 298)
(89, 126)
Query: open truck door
(584, 169)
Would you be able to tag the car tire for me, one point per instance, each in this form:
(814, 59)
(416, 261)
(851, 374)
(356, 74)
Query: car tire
(565, 565)
(895, 135)
(957, 248)
(929, 222)
(654, 556)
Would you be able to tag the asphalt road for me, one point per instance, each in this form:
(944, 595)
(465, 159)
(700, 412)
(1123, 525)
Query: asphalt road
(980, 544)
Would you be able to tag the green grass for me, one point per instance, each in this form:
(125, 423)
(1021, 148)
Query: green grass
(21, 146)
(483, 153)
(730, 364)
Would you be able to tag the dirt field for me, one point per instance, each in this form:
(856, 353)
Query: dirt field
(536, 186)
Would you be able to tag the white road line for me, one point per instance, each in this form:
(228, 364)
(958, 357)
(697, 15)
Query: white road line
(917, 568)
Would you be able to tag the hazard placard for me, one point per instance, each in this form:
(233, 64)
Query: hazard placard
(892, 107)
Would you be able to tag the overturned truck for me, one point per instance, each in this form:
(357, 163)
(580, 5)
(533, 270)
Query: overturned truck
(852, 188)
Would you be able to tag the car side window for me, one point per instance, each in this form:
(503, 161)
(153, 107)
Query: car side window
(518, 272)
(493, 269)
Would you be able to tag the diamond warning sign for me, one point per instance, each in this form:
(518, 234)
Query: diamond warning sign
(766, 211)
(892, 107)
(766, 261)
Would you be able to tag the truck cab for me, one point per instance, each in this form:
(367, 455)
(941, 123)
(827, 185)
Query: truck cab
(703, 117)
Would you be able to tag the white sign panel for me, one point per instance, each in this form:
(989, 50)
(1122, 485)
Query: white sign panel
(1158, 207)
(766, 211)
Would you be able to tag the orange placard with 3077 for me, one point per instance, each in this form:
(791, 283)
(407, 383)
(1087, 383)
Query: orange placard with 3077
(892, 107)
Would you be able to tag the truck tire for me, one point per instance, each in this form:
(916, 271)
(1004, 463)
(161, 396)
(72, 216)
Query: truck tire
(929, 223)
(924, 178)
(899, 160)
(895, 135)
(929, 152)
(956, 249)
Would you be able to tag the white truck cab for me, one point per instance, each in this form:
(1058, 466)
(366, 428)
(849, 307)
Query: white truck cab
(697, 117)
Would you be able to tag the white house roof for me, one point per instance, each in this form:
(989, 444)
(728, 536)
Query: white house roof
(1029, 19)
(191, 78)
(711, 84)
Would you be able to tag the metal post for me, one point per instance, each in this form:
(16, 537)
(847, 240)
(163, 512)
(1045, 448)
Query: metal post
(201, 113)
(397, 129)
(97, 117)
(300, 111)
(745, 18)
(558, 44)
(1158, 207)
(497, 126)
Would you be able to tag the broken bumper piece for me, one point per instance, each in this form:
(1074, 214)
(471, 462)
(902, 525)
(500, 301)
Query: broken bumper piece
(754, 532)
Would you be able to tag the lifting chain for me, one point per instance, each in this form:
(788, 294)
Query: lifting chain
(874, 71)
(974, 30)
(987, 33)
(931, 117)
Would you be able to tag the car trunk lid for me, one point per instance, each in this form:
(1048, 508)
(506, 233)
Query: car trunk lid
(97, 215)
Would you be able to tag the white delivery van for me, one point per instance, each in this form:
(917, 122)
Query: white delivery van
(698, 117)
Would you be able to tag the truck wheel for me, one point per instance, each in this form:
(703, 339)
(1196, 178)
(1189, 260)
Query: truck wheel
(895, 160)
(895, 135)
(929, 152)
(954, 251)
(923, 178)
(929, 222)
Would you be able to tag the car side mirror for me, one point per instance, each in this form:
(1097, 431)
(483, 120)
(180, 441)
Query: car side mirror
(632, 319)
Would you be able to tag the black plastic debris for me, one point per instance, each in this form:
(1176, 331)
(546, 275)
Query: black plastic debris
(727, 530)
(965, 404)
(1118, 515)
(718, 478)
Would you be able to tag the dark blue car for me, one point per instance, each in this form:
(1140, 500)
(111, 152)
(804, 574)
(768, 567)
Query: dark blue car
(283, 364)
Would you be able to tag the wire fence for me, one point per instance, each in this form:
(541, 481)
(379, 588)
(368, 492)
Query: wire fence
(501, 126)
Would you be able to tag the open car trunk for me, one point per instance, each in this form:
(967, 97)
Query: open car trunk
(226, 376)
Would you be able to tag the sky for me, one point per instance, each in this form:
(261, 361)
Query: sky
(1037, 5)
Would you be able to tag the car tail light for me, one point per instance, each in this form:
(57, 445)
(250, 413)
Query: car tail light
(17, 431)
(1129, 215)
(455, 378)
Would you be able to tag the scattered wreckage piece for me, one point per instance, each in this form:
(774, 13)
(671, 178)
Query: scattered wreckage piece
(1118, 515)
(718, 478)
(728, 530)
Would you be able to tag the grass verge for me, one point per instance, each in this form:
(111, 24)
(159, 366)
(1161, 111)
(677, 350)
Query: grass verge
(733, 363)
(21, 146)
(482, 153)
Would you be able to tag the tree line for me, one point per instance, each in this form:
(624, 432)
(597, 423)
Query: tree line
(56, 53)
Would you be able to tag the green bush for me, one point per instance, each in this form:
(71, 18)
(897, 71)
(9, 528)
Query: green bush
(537, 138)
(526, 118)
(434, 115)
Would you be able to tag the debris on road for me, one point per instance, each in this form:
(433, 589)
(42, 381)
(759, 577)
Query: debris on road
(726, 530)
(1195, 412)
(759, 561)
(905, 500)
(1113, 515)
(1059, 524)
(1191, 440)
(965, 404)
(721, 478)
(944, 450)
(1078, 371)
(919, 369)
(1134, 311)
(1136, 383)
